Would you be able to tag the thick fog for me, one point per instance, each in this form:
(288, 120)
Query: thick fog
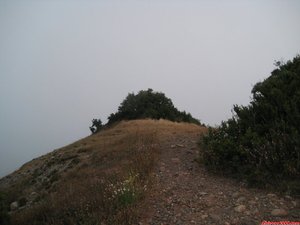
(65, 62)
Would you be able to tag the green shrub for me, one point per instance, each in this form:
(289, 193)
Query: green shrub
(261, 142)
(124, 193)
(96, 126)
(149, 104)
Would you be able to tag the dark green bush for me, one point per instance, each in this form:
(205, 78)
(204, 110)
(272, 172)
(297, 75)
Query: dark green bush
(149, 104)
(261, 142)
(96, 126)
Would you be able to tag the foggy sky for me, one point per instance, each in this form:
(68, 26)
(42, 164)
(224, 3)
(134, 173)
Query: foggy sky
(65, 62)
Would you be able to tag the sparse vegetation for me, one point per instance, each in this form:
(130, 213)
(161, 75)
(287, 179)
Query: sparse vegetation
(261, 142)
(106, 189)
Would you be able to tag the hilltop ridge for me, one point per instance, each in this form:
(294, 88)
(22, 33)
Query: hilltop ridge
(136, 172)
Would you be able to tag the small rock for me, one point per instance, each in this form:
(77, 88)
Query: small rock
(204, 216)
(173, 146)
(180, 145)
(235, 194)
(226, 223)
(271, 195)
(175, 160)
(162, 169)
(215, 217)
(288, 197)
(235, 221)
(252, 202)
(248, 213)
(210, 200)
(294, 203)
(279, 212)
(248, 221)
(240, 208)
(240, 199)
(14, 206)
(256, 212)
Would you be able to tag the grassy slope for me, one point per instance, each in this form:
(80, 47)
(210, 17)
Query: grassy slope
(101, 178)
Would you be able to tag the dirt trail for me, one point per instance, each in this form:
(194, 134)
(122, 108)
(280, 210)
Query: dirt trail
(185, 193)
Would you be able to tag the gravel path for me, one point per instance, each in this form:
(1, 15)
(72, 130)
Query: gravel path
(185, 193)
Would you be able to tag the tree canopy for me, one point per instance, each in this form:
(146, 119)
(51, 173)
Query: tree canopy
(149, 104)
(96, 126)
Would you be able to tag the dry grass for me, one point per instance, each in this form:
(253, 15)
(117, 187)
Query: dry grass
(110, 176)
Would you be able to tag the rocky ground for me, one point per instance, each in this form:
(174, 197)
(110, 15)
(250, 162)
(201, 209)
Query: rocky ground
(185, 193)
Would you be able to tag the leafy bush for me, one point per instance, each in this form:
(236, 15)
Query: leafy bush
(124, 192)
(96, 126)
(261, 142)
(149, 104)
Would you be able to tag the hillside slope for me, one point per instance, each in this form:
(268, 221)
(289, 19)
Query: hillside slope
(69, 184)
(137, 172)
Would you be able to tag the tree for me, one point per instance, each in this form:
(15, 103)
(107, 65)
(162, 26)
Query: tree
(96, 126)
(149, 104)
